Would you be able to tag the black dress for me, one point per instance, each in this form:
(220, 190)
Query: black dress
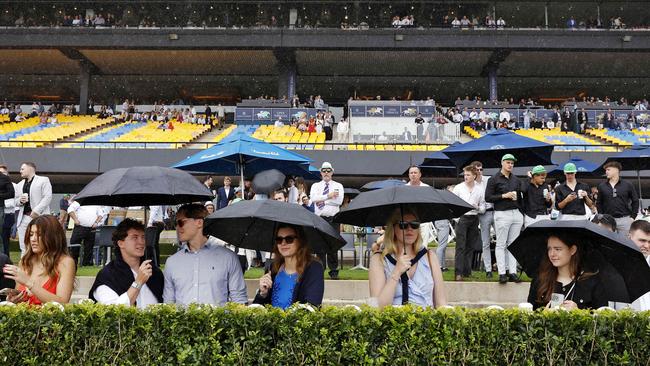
(588, 293)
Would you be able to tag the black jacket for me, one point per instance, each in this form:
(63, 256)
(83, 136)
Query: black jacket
(6, 189)
(308, 290)
(589, 293)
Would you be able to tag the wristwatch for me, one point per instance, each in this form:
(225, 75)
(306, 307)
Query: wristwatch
(136, 285)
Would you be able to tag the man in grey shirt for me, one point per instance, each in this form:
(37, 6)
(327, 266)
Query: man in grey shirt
(202, 271)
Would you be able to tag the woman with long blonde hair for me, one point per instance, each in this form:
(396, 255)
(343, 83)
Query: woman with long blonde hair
(46, 273)
(405, 271)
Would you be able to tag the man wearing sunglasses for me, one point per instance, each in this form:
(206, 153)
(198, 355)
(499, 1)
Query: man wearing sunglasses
(486, 220)
(327, 197)
(202, 271)
(617, 197)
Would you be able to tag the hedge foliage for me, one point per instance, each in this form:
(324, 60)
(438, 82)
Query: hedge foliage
(235, 335)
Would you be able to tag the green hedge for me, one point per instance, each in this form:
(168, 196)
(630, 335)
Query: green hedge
(233, 335)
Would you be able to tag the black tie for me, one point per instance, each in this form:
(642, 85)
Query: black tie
(405, 277)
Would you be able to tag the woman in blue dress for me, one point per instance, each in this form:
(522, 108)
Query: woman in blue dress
(296, 275)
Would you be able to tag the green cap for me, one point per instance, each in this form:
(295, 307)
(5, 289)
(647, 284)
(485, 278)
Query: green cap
(570, 168)
(538, 170)
(508, 157)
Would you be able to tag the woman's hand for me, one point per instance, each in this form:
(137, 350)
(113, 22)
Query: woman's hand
(16, 296)
(265, 284)
(569, 305)
(403, 264)
(16, 274)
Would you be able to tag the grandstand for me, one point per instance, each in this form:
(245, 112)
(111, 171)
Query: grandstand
(624, 138)
(31, 133)
(567, 141)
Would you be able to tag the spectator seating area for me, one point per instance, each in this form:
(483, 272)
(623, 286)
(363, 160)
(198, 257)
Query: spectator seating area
(31, 130)
(566, 141)
(622, 137)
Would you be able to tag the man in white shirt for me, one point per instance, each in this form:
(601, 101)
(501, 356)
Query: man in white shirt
(467, 228)
(86, 220)
(155, 226)
(504, 116)
(128, 280)
(327, 197)
(415, 176)
(33, 196)
(486, 220)
(278, 123)
(640, 235)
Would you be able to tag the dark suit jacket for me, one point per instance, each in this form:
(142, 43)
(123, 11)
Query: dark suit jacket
(308, 290)
(6, 189)
(222, 199)
(407, 136)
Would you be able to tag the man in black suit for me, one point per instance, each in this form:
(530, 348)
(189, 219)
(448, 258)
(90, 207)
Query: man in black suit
(608, 120)
(583, 120)
(225, 194)
(406, 135)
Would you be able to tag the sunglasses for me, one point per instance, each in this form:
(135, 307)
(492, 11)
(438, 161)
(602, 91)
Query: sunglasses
(289, 239)
(479, 169)
(181, 222)
(412, 224)
(326, 170)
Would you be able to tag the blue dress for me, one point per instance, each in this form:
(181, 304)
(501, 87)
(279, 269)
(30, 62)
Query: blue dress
(283, 287)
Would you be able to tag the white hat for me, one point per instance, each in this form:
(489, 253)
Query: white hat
(326, 165)
(208, 203)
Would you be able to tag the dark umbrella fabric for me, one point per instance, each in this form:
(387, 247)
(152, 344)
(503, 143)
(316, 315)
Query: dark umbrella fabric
(351, 192)
(252, 224)
(268, 181)
(490, 148)
(374, 208)
(586, 169)
(618, 254)
(380, 184)
(143, 186)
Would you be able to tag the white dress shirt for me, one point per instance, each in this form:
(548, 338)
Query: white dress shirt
(475, 197)
(10, 203)
(419, 185)
(483, 184)
(643, 302)
(87, 215)
(155, 215)
(105, 295)
(332, 205)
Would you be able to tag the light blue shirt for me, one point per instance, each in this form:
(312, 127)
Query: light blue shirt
(420, 286)
(212, 275)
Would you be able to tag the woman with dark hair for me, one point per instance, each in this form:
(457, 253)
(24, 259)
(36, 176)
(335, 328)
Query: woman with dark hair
(46, 273)
(606, 221)
(296, 275)
(562, 279)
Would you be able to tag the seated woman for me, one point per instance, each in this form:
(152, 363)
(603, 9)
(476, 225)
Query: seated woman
(397, 277)
(46, 273)
(562, 276)
(296, 276)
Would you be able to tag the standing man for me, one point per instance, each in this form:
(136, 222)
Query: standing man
(537, 197)
(202, 271)
(504, 191)
(225, 194)
(583, 120)
(467, 227)
(640, 235)
(33, 196)
(155, 226)
(415, 180)
(419, 127)
(572, 196)
(86, 220)
(327, 197)
(486, 220)
(617, 197)
(7, 205)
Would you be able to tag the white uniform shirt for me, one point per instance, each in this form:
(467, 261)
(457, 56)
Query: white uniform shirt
(475, 198)
(87, 215)
(332, 205)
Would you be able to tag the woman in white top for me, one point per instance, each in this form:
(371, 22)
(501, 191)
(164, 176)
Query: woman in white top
(405, 271)
(467, 227)
(129, 280)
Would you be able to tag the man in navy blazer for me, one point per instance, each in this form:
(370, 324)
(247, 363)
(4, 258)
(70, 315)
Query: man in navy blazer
(225, 194)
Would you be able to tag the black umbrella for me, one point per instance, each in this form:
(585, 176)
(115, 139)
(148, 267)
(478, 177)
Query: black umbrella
(143, 186)
(604, 250)
(351, 192)
(268, 181)
(374, 208)
(252, 225)
(380, 184)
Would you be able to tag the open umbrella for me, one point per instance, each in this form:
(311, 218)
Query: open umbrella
(268, 181)
(602, 249)
(379, 184)
(252, 225)
(143, 186)
(240, 153)
(490, 148)
(586, 169)
(375, 207)
(351, 192)
(636, 158)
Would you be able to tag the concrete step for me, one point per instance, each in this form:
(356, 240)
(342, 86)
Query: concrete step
(345, 292)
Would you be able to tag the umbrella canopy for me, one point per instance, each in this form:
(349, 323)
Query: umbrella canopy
(351, 192)
(374, 208)
(242, 152)
(586, 169)
(252, 225)
(379, 184)
(438, 158)
(143, 186)
(314, 173)
(490, 148)
(620, 255)
(268, 181)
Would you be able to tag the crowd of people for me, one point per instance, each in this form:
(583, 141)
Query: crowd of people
(402, 268)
